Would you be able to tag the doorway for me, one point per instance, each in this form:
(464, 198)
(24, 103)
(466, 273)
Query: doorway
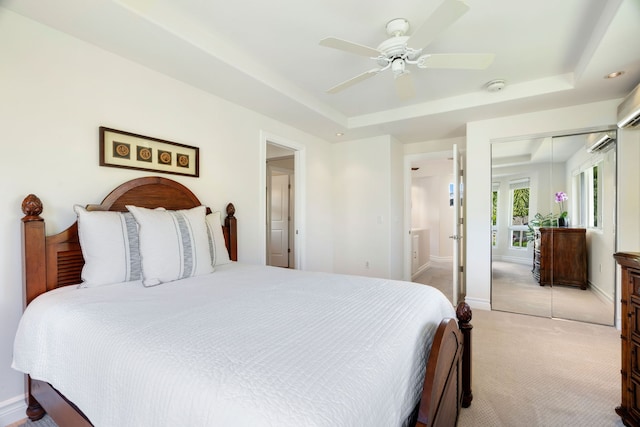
(280, 206)
(435, 240)
(553, 226)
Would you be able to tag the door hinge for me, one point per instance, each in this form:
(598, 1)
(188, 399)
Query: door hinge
(461, 172)
(461, 269)
(461, 221)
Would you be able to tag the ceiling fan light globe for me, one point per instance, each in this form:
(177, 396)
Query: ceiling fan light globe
(398, 66)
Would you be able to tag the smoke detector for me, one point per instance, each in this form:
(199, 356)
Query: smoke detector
(495, 85)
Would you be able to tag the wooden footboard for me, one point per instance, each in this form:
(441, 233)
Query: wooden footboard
(62, 411)
(447, 383)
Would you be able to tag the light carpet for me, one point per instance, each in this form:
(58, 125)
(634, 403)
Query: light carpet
(532, 371)
(514, 289)
(44, 422)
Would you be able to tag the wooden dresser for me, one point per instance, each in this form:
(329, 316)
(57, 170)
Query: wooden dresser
(560, 256)
(629, 409)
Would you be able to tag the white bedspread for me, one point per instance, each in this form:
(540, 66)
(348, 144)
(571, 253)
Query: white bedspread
(245, 345)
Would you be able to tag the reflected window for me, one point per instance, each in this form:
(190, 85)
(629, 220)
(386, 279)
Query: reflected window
(520, 190)
(589, 189)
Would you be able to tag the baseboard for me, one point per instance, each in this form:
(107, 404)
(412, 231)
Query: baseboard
(480, 304)
(12, 410)
(440, 258)
(515, 260)
(601, 294)
(421, 270)
(518, 260)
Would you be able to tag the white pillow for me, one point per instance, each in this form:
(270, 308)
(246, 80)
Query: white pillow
(109, 242)
(218, 248)
(173, 244)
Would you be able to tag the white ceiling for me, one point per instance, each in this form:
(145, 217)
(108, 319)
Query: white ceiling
(266, 56)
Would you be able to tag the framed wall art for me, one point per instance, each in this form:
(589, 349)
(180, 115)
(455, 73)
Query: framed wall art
(121, 149)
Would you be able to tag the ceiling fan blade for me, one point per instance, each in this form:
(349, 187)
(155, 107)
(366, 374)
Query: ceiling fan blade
(357, 79)
(469, 61)
(350, 47)
(404, 85)
(446, 14)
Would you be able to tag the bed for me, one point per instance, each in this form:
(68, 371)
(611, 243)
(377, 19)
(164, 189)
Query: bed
(241, 345)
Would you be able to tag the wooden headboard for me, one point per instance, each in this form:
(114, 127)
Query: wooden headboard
(53, 261)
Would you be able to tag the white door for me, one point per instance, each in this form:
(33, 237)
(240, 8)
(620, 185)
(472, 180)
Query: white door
(279, 228)
(457, 226)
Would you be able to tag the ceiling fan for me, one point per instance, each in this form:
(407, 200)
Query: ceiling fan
(401, 50)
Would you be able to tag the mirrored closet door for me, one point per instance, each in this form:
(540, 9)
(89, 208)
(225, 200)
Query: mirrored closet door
(553, 211)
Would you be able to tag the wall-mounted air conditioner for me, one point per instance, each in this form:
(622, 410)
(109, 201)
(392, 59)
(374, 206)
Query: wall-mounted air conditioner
(600, 141)
(629, 110)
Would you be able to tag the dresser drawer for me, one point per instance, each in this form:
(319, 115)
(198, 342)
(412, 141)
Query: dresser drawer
(635, 355)
(634, 282)
(635, 399)
(634, 309)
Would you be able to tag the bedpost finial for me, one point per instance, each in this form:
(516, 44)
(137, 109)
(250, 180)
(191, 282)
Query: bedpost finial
(463, 312)
(231, 210)
(31, 207)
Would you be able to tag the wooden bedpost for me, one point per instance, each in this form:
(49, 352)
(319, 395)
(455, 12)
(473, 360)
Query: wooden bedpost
(231, 232)
(33, 239)
(34, 274)
(463, 313)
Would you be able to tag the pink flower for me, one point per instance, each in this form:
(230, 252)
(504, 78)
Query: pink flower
(561, 197)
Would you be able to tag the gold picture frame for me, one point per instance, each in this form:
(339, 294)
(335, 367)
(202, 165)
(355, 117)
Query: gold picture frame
(120, 149)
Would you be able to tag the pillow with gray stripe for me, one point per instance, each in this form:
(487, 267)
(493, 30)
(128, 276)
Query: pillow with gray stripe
(173, 244)
(109, 243)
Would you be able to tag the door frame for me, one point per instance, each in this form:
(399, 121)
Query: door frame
(299, 162)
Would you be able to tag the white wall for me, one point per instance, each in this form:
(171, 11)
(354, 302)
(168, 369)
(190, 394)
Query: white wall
(628, 179)
(396, 210)
(430, 209)
(361, 206)
(628, 194)
(56, 92)
(419, 205)
(367, 187)
(479, 137)
(600, 242)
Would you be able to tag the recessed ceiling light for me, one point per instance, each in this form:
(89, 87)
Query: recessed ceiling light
(339, 133)
(614, 75)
